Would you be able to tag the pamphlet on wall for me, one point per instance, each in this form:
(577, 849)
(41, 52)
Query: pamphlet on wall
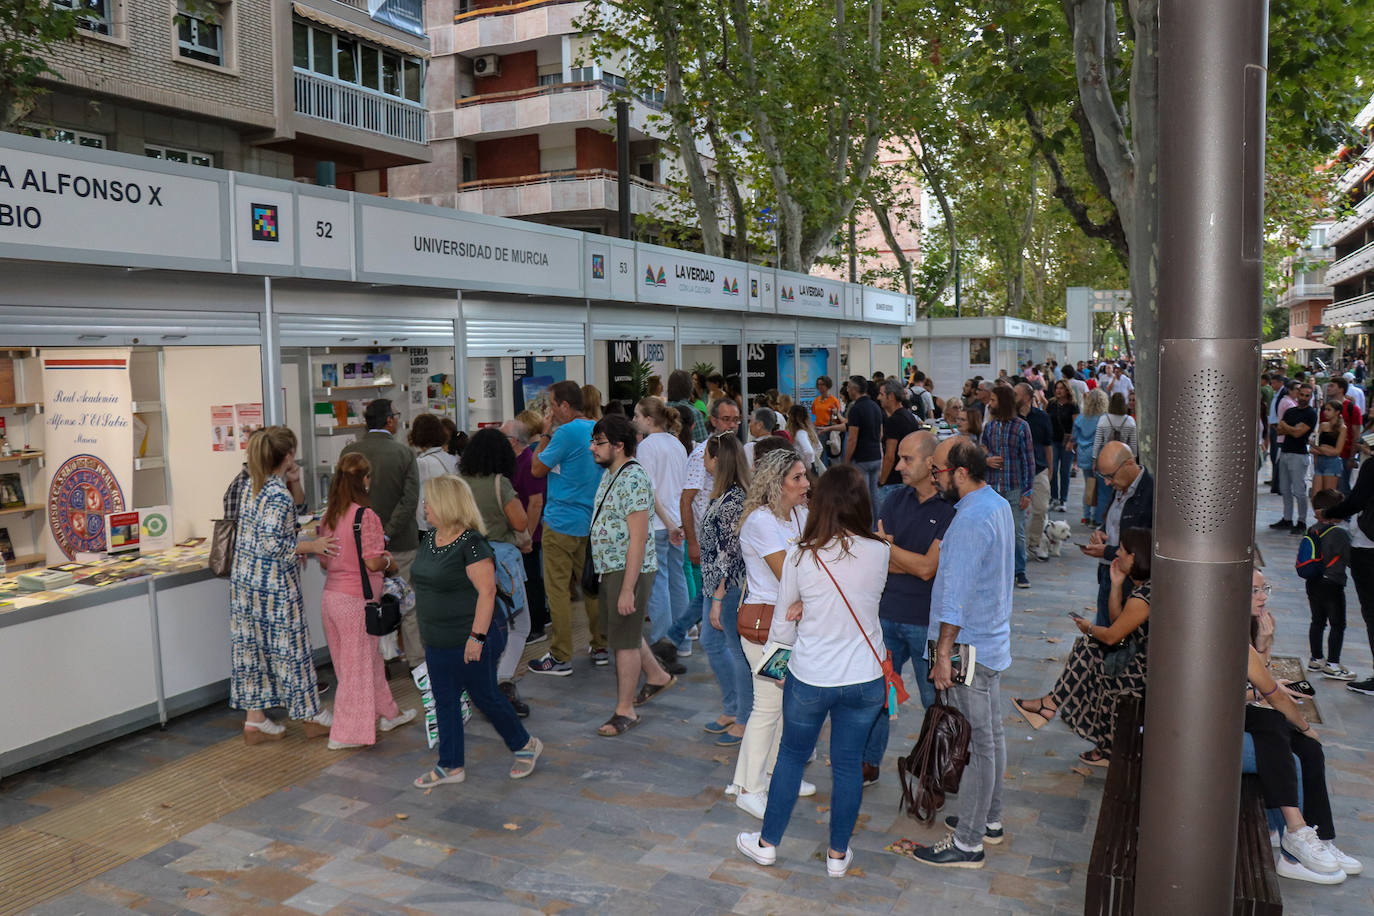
(329, 375)
(222, 438)
(248, 417)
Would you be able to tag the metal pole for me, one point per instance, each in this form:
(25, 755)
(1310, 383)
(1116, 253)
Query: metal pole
(622, 143)
(157, 652)
(273, 407)
(460, 364)
(1211, 173)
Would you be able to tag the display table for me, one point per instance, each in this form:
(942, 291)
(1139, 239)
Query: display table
(89, 662)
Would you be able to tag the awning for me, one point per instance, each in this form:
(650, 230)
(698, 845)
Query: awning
(1295, 343)
(366, 34)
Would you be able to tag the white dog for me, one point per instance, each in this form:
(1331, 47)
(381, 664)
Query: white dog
(1052, 538)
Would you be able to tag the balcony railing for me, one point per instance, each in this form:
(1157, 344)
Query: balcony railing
(1364, 212)
(1359, 261)
(1357, 172)
(1303, 292)
(1351, 311)
(556, 191)
(504, 9)
(353, 106)
(650, 98)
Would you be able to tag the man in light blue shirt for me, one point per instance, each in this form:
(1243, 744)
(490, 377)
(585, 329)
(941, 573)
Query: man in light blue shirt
(563, 454)
(971, 604)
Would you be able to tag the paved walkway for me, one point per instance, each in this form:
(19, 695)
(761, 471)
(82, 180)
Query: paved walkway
(639, 824)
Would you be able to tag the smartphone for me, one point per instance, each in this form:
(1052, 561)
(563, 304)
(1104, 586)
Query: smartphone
(1076, 616)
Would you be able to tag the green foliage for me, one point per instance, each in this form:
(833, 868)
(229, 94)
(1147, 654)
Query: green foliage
(703, 369)
(28, 28)
(640, 371)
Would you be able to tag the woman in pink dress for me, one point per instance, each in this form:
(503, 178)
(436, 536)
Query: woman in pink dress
(363, 695)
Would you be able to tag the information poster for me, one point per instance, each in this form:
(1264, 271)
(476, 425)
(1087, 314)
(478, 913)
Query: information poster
(762, 364)
(533, 376)
(222, 428)
(248, 418)
(802, 373)
(88, 420)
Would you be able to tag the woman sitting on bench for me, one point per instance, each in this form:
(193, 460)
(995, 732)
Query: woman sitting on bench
(1280, 732)
(1106, 663)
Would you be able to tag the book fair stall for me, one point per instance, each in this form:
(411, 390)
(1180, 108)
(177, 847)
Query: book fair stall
(153, 314)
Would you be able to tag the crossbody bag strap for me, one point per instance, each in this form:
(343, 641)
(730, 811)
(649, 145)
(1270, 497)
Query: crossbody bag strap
(358, 540)
(609, 486)
(876, 657)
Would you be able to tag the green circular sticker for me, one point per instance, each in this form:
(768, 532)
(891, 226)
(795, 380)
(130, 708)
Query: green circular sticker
(155, 525)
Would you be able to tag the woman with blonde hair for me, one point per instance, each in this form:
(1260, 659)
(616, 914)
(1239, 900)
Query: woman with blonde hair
(455, 604)
(271, 655)
(771, 521)
(591, 402)
(364, 694)
(804, 437)
(1084, 436)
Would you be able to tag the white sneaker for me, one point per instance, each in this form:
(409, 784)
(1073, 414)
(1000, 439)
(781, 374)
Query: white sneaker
(1316, 664)
(754, 803)
(1338, 672)
(1287, 868)
(748, 843)
(836, 868)
(1349, 864)
(340, 746)
(733, 789)
(1304, 846)
(807, 789)
(694, 632)
(325, 718)
(404, 716)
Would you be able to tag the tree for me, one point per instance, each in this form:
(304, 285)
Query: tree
(28, 28)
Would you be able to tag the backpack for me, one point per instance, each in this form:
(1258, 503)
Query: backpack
(1312, 562)
(1115, 434)
(936, 764)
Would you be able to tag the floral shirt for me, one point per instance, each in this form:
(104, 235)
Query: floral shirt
(621, 493)
(721, 557)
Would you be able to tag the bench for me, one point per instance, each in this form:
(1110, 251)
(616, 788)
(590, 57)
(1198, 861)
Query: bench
(1111, 867)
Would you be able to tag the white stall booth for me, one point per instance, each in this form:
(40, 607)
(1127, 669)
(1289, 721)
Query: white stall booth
(951, 350)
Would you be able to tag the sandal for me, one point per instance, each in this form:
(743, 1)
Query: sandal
(438, 776)
(266, 730)
(525, 759)
(717, 727)
(1036, 717)
(649, 691)
(1095, 758)
(618, 726)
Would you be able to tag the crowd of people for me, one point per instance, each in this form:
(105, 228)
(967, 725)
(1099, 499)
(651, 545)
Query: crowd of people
(886, 525)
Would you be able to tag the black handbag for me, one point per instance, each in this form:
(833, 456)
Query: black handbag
(591, 582)
(382, 616)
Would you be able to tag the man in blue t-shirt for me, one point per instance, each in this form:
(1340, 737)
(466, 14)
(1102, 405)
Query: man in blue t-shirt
(563, 455)
(912, 520)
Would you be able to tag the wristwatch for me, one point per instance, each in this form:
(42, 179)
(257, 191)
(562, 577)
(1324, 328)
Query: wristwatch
(479, 637)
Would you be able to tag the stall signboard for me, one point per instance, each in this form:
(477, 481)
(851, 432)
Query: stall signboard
(811, 297)
(411, 244)
(761, 284)
(265, 224)
(670, 277)
(882, 305)
(608, 270)
(324, 233)
(89, 441)
(762, 362)
(58, 203)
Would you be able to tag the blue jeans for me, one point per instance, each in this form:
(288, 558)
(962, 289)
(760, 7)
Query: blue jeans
(904, 641)
(726, 655)
(668, 600)
(870, 471)
(1105, 495)
(852, 709)
(1018, 517)
(1248, 764)
(1059, 474)
(450, 675)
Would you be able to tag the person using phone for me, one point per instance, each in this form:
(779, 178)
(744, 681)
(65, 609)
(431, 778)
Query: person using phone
(1095, 676)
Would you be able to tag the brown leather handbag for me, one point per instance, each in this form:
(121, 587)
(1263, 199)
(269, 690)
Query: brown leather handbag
(754, 621)
(936, 764)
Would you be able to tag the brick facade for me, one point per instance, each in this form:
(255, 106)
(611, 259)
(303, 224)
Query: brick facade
(595, 150)
(508, 157)
(518, 71)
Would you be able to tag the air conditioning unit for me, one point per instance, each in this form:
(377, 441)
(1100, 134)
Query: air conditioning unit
(487, 65)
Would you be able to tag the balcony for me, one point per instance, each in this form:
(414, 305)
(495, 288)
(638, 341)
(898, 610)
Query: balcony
(523, 110)
(1303, 292)
(1351, 311)
(1357, 172)
(1360, 261)
(512, 24)
(1364, 213)
(563, 191)
(363, 109)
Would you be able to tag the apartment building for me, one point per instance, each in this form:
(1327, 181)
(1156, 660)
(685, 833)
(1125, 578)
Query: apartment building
(521, 118)
(1307, 294)
(322, 91)
(1351, 274)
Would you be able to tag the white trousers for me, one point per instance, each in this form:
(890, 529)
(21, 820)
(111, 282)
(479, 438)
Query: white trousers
(763, 732)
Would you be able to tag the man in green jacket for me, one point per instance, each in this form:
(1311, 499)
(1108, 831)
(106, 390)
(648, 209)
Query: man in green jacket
(395, 493)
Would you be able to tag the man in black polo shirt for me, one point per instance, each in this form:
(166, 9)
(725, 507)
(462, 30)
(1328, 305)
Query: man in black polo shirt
(898, 423)
(913, 521)
(863, 446)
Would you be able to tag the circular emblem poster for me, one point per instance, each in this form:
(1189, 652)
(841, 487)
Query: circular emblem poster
(83, 492)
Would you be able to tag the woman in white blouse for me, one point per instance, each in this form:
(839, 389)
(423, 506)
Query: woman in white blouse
(772, 519)
(828, 602)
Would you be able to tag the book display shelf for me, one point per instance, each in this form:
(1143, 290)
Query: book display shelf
(21, 461)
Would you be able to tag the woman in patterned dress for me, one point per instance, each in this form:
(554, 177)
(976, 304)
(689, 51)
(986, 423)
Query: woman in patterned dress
(364, 695)
(722, 577)
(272, 664)
(1085, 695)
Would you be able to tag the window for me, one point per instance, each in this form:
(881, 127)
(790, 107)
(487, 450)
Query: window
(300, 45)
(613, 79)
(179, 155)
(582, 74)
(62, 135)
(550, 79)
(346, 59)
(200, 33)
(415, 81)
(646, 170)
(469, 169)
(372, 67)
(349, 60)
(95, 14)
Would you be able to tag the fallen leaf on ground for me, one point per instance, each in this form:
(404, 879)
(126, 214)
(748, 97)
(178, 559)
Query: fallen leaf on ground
(401, 817)
(197, 892)
(1053, 639)
(511, 826)
(1051, 753)
(822, 808)
(166, 804)
(1081, 771)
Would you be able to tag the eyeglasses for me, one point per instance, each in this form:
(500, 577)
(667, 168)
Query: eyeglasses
(600, 442)
(1111, 474)
(1266, 589)
(935, 470)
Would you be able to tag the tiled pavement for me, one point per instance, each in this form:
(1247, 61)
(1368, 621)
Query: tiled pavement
(639, 824)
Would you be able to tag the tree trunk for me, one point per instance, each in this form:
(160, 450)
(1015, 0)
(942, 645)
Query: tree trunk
(884, 221)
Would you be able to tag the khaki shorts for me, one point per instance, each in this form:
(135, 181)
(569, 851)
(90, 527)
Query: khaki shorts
(623, 631)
